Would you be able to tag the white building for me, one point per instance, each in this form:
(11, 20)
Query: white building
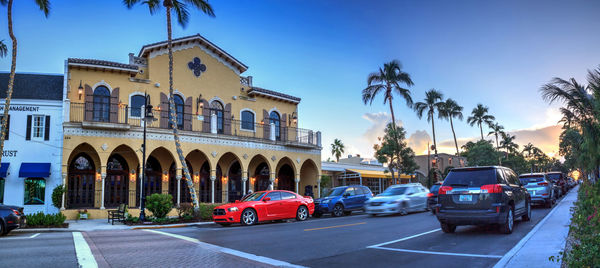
(31, 159)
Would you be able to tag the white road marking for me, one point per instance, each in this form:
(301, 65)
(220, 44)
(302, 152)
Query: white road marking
(35, 235)
(404, 239)
(85, 258)
(28, 237)
(440, 253)
(229, 251)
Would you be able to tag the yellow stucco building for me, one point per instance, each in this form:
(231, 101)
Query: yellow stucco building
(235, 136)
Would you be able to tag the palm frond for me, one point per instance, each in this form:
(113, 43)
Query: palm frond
(204, 6)
(44, 6)
(3, 49)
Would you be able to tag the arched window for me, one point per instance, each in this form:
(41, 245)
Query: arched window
(179, 110)
(136, 103)
(247, 120)
(117, 182)
(275, 119)
(217, 108)
(101, 104)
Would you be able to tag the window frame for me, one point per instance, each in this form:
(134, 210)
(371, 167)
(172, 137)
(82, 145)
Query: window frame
(292, 196)
(131, 105)
(41, 127)
(242, 120)
(273, 193)
(101, 104)
(43, 192)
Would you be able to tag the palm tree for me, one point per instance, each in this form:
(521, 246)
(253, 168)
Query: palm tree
(531, 152)
(433, 102)
(508, 143)
(44, 6)
(387, 81)
(3, 49)
(497, 130)
(450, 110)
(337, 149)
(181, 10)
(480, 115)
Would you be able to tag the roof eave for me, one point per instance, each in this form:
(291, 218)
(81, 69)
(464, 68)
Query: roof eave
(103, 67)
(274, 97)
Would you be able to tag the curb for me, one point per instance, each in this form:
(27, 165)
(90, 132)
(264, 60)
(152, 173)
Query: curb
(166, 226)
(513, 251)
(51, 230)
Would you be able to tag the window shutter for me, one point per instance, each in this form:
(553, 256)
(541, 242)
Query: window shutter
(28, 133)
(47, 128)
(7, 128)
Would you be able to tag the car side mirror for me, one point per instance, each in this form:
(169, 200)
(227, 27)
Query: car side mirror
(267, 199)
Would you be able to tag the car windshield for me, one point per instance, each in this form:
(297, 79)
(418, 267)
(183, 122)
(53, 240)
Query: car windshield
(335, 192)
(254, 197)
(531, 179)
(434, 188)
(394, 191)
(470, 177)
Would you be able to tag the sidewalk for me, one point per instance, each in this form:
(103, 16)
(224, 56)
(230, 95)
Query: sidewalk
(546, 239)
(101, 224)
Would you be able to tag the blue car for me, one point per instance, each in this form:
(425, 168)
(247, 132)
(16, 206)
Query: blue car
(342, 200)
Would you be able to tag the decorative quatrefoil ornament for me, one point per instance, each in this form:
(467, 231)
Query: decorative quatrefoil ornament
(197, 66)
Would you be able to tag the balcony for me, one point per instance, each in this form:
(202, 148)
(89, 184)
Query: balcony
(121, 117)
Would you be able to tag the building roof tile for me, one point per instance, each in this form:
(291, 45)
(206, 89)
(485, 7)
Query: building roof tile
(33, 86)
(273, 93)
(103, 63)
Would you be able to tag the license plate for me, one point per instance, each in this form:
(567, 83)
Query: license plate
(465, 197)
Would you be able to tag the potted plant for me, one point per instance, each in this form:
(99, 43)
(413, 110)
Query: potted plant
(83, 214)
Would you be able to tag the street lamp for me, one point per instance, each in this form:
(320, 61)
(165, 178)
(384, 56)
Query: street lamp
(148, 117)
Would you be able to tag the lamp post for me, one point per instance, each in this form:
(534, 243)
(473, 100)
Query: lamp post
(148, 117)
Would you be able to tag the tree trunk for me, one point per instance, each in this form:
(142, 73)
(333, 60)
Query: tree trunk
(395, 133)
(433, 130)
(481, 129)
(454, 134)
(11, 77)
(173, 116)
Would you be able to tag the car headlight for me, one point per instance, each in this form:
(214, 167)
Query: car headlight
(326, 201)
(232, 209)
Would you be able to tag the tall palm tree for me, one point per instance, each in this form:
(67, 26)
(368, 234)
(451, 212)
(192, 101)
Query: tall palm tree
(44, 6)
(531, 152)
(480, 115)
(3, 49)
(450, 109)
(387, 81)
(337, 149)
(181, 10)
(433, 102)
(497, 130)
(508, 143)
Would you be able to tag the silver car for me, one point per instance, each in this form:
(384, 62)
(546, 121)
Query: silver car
(540, 188)
(398, 199)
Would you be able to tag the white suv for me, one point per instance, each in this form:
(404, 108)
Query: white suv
(398, 199)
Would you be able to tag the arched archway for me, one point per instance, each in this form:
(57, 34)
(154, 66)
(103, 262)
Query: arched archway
(262, 176)
(153, 181)
(309, 172)
(184, 192)
(205, 183)
(81, 182)
(234, 182)
(199, 168)
(285, 178)
(219, 185)
(116, 184)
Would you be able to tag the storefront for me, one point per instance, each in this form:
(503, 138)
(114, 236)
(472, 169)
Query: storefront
(30, 168)
(376, 177)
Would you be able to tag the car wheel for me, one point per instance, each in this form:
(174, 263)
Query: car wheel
(302, 213)
(448, 228)
(403, 209)
(507, 226)
(317, 214)
(249, 217)
(527, 216)
(338, 210)
(225, 224)
(347, 213)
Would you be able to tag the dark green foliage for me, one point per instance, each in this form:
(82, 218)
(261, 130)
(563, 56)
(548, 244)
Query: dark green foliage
(46, 220)
(482, 153)
(57, 194)
(394, 151)
(159, 204)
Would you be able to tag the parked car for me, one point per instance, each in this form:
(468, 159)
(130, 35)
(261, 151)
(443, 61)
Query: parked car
(265, 206)
(560, 180)
(540, 188)
(481, 196)
(432, 196)
(342, 200)
(401, 199)
(11, 217)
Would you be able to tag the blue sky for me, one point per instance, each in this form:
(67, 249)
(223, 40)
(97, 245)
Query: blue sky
(495, 52)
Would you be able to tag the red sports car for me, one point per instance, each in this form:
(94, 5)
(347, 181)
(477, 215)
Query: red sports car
(265, 206)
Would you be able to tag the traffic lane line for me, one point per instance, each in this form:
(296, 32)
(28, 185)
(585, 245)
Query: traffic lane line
(404, 238)
(21, 237)
(233, 252)
(85, 258)
(439, 253)
(335, 226)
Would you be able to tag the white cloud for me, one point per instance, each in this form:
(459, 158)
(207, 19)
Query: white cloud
(418, 141)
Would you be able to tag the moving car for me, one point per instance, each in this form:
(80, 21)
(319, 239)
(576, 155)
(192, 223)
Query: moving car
(481, 196)
(432, 196)
(265, 206)
(559, 179)
(540, 188)
(11, 217)
(342, 200)
(402, 199)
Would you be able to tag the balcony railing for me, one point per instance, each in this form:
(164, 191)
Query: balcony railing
(124, 116)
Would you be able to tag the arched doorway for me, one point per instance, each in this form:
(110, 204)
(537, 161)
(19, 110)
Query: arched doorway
(153, 183)
(234, 184)
(116, 184)
(81, 182)
(184, 191)
(205, 183)
(285, 178)
(262, 175)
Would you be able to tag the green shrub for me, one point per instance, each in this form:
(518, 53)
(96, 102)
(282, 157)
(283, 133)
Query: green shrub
(57, 194)
(159, 204)
(185, 209)
(46, 220)
(205, 211)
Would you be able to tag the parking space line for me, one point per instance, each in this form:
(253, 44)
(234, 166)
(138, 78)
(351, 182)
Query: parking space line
(85, 258)
(28, 237)
(335, 226)
(403, 239)
(237, 253)
(439, 253)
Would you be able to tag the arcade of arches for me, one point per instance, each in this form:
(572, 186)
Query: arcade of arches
(92, 182)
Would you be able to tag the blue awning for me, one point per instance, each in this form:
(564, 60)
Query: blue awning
(41, 170)
(3, 169)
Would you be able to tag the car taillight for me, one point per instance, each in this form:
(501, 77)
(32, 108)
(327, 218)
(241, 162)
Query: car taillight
(543, 183)
(430, 195)
(15, 211)
(444, 190)
(491, 188)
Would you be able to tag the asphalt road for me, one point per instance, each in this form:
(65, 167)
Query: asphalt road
(352, 241)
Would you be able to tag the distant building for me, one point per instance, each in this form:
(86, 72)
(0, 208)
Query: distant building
(442, 162)
(360, 160)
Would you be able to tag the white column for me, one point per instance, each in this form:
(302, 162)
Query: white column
(178, 176)
(297, 180)
(64, 183)
(272, 132)
(102, 194)
(318, 195)
(213, 123)
(272, 180)
(244, 180)
(212, 192)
